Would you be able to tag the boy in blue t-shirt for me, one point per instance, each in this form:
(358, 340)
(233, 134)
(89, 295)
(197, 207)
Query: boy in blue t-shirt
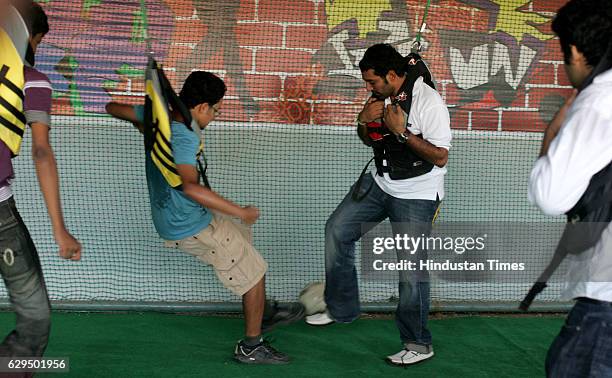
(198, 221)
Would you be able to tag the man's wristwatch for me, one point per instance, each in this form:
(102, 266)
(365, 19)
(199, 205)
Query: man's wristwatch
(403, 137)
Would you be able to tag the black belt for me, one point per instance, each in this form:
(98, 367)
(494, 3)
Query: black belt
(594, 301)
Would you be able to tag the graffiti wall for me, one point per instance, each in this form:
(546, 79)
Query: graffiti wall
(495, 62)
(291, 67)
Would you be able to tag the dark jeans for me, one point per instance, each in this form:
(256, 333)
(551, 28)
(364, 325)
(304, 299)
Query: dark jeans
(345, 227)
(22, 274)
(583, 348)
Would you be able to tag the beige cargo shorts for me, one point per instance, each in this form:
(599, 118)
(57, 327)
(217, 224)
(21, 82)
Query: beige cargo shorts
(227, 246)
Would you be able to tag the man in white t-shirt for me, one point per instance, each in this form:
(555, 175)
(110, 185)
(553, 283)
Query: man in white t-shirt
(576, 146)
(407, 125)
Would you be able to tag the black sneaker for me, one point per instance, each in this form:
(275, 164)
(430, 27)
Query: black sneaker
(275, 315)
(263, 353)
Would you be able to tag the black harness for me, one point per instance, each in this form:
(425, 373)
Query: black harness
(401, 162)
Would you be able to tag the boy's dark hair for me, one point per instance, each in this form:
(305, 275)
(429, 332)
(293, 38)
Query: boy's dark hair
(202, 87)
(383, 58)
(586, 24)
(39, 22)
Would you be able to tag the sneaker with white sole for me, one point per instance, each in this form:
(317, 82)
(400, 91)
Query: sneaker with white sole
(319, 319)
(409, 357)
(263, 353)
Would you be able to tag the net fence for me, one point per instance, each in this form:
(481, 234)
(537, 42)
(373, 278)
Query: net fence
(285, 139)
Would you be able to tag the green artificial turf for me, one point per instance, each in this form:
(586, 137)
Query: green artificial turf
(168, 345)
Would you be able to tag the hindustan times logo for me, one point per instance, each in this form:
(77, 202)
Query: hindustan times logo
(447, 265)
(412, 244)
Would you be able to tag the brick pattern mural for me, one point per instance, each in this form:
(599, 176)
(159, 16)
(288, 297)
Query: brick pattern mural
(496, 62)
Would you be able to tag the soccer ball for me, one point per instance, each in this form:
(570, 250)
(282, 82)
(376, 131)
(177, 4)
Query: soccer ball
(313, 299)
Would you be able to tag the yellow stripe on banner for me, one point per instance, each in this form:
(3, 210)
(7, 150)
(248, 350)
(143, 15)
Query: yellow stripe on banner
(12, 125)
(163, 165)
(159, 141)
(161, 117)
(162, 150)
(163, 157)
(172, 179)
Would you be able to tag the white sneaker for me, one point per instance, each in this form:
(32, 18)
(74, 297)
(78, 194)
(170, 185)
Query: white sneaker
(408, 357)
(320, 319)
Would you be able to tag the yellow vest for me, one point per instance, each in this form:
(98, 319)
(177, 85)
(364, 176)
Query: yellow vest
(12, 119)
(161, 152)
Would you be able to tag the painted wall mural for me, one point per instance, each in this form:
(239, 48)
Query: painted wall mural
(495, 62)
(498, 60)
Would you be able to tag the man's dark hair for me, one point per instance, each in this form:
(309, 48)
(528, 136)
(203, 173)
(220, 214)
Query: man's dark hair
(586, 24)
(202, 87)
(39, 22)
(383, 58)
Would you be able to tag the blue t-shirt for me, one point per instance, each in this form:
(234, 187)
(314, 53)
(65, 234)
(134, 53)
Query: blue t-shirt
(175, 215)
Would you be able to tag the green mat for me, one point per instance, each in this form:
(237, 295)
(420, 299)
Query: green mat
(168, 345)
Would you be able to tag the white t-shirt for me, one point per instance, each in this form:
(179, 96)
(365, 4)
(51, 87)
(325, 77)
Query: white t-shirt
(428, 116)
(582, 148)
(5, 192)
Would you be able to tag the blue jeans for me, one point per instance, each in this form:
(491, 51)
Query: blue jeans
(22, 274)
(583, 348)
(345, 226)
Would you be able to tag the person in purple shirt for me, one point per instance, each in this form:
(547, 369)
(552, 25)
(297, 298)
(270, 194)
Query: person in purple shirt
(19, 261)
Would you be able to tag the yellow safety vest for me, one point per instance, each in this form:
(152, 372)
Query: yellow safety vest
(12, 119)
(161, 151)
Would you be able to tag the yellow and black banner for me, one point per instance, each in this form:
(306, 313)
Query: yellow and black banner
(12, 118)
(158, 118)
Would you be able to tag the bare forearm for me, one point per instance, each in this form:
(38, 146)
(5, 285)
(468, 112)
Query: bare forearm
(372, 110)
(362, 131)
(48, 179)
(211, 200)
(427, 151)
(124, 112)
